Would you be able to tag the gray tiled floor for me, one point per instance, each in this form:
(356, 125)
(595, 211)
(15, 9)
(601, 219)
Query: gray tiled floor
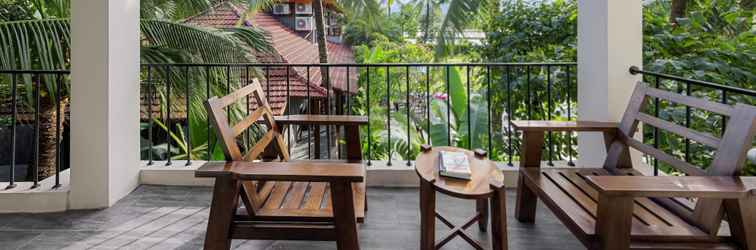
(168, 217)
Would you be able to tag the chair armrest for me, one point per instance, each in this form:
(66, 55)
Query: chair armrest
(312, 171)
(723, 187)
(582, 126)
(339, 120)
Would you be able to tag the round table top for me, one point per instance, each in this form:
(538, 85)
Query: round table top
(484, 174)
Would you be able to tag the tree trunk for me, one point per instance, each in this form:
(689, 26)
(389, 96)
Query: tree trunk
(47, 139)
(317, 9)
(678, 10)
(427, 20)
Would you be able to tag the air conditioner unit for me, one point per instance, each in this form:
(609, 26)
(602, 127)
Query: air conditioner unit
(281, 9)
(303, 8)
(303, 23)
(334, 31)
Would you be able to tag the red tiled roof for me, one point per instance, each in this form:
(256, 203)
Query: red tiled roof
(289, 48)
(293, 48)
(226, 14)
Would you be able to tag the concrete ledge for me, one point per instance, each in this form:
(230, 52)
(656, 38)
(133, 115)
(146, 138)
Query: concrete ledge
(178, 174)
(378, 174)
(43, 199)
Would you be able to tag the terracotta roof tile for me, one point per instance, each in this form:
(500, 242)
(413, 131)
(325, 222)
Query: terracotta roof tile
(289, 46)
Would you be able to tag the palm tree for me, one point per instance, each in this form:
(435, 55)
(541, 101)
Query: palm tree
(45, 44)
(457, 16)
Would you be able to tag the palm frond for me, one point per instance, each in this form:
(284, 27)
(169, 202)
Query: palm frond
(252, 37)
(172, 9)
(35, 44)
(458, 15)
(256, 5)
(47, 9)
(207, 44)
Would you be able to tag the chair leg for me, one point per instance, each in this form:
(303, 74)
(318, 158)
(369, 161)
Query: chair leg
(224, 204)
(742, 221)
(344, 218)
(499, 220)
(525, 206)
(614, 221)
(427, 216)
(481, 206)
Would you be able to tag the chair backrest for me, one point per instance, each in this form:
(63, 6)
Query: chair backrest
(728, 160)
(270, 145)
(228, 133)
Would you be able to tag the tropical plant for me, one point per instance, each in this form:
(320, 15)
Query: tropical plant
(172, 9)
(713, 41)
(454, 17)
(399, 118)
(45, 44)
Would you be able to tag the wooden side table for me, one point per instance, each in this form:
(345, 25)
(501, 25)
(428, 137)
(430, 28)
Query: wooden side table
(486, 184)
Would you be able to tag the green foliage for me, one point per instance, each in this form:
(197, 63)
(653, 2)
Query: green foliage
(716, 42)
(410, 125)
(407, 20)
(527, 31)
(12, 10)
(172, 9)
(44, 43)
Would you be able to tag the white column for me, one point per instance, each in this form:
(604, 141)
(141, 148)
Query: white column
(610, 40)
(104, 101)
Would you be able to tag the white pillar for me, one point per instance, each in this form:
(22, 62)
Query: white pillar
(610, 40)
(104, 101)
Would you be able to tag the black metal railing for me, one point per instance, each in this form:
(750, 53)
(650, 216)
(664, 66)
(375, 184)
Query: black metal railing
(460, 104)
(33, 106)
(465, 104)
(690, 152)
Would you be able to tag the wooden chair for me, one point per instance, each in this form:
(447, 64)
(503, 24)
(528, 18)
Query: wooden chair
(616, 207)
(301, 200)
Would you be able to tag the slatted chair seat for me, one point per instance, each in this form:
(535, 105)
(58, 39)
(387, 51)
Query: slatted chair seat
(568, 190)
(614, 206)
(306, 201)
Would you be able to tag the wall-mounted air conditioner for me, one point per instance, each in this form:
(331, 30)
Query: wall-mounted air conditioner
(303, 23)
(303, 8)
(281, 9)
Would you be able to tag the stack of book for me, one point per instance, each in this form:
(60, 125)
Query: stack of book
(454, 164)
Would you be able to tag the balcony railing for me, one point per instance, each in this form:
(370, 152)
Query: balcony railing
(704, 121)
(463, 104)
(33, 105)
(466, 105)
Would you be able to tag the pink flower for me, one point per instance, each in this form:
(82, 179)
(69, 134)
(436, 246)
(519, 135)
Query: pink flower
(440, 96)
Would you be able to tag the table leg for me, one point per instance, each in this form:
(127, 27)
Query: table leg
(499, 220)
(427, 216)
(224, 204)
(481, 206)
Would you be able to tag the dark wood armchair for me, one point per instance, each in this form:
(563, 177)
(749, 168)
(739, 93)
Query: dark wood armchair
(615, 207)
(299, 200)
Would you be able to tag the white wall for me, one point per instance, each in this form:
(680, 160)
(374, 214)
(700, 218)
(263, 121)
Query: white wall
(104, 101)
(610, 40)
